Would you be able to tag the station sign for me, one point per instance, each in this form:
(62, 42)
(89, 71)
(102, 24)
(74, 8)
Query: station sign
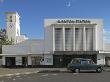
(74, 21)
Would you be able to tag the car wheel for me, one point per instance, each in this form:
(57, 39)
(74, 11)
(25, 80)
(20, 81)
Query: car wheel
(98, 70)
(77, 70)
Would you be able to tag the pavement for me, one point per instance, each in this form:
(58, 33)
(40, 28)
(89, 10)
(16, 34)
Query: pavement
(20, 71)
(59, 77)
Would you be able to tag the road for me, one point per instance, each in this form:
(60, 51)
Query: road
(59, 77)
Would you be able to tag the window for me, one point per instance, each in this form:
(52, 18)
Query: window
(10, 16)
(75, 61)
(10, 20)
(17, 32)
(85, 62)
(36, 60)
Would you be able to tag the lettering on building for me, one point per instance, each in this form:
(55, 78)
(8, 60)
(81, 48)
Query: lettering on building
(73, 21)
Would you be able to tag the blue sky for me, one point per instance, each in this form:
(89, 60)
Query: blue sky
(33, 13)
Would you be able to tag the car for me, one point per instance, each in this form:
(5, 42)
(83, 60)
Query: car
(78, 64)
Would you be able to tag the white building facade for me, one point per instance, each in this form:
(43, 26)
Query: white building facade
(70, 38)
(28, 53)
(74, 34)
(64, 39)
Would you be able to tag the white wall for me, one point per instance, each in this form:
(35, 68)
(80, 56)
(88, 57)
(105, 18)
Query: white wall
(15, 49)
(99, 35)
(37, 48)
(18, 60)
(25, 47)
(101, 59)
(48, 39)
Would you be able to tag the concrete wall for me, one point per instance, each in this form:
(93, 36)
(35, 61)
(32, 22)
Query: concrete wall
(48, 39)
(101, 59)
(15, 49)
(25, 47)
(37, 48)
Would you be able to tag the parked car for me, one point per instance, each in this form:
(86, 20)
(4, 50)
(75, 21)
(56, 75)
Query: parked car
(78, 64)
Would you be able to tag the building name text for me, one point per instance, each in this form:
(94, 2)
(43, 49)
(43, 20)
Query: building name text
(73, 21)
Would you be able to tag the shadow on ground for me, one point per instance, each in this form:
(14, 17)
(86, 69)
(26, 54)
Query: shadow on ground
(58, 71)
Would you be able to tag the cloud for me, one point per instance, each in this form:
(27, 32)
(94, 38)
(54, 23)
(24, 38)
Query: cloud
(106, 35)
(1, 1)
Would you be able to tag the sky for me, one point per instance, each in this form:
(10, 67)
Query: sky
(33, 13)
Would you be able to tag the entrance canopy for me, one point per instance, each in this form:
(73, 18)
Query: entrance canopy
(75, 52)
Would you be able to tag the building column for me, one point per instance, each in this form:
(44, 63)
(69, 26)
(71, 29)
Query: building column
(94, 39)
(29, 60)
(74, 38)
(84, 39)
(63, 38)
(18, 60)
(53, 29)
(3, 60)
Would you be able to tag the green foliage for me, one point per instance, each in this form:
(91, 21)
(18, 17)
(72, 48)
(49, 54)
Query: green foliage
(6, 42)
(3, 38)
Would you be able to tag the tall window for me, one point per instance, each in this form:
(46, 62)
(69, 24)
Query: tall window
(10, 18)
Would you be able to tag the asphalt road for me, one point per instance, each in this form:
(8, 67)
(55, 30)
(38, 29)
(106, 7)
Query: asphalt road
(59, 77)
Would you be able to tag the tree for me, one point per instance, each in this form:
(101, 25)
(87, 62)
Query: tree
(4, 40)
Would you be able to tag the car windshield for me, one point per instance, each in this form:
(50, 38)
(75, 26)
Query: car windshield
(75, 61)
(87, 62)
(82, 61)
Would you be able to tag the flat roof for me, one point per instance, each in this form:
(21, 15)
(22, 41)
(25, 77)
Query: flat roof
(12, 13)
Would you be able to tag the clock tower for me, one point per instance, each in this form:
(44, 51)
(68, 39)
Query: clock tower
(12, 26)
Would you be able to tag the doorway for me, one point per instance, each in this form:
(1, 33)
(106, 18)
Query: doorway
(10, 61)
(24, 61)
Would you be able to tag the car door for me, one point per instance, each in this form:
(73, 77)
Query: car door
(91, 65)
(84, 65)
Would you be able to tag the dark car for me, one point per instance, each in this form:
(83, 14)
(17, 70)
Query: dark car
(78, 64)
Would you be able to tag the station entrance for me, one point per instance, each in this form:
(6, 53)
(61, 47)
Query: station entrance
(63, 59)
